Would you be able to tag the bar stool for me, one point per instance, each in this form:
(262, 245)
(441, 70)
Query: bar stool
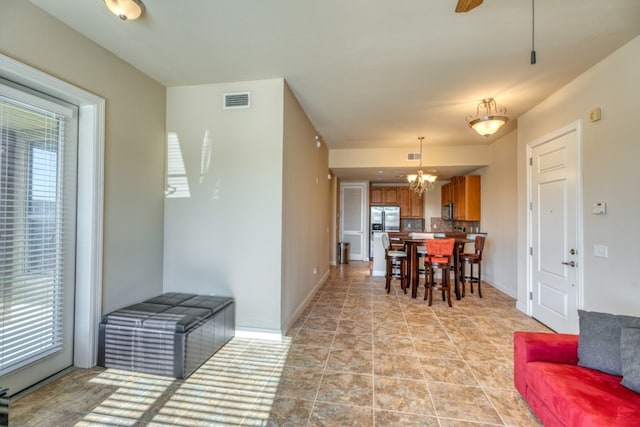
(439, 256)
(396, 264)
(472, 259)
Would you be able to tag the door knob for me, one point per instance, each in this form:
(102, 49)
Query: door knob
(570, 263)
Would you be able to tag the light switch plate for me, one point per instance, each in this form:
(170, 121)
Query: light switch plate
(601, 251)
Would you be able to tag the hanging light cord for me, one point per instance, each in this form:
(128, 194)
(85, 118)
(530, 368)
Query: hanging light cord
(533, 32)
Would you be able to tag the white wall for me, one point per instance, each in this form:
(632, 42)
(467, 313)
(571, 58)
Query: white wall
(499, 219)
(610, 161)
(224, 236)
(432, 203)
(134, 143)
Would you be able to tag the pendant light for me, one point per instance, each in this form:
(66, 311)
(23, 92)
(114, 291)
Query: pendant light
(420, 181)
(489, 118)
(127, 10)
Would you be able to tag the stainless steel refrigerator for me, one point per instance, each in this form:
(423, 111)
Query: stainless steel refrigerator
(383, 218)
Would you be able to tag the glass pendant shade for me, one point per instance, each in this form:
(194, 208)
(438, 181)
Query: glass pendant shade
(125, 9)
(488, 119)
(487, 126)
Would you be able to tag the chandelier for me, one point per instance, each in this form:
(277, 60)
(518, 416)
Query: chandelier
(489, 117)
(419, 182)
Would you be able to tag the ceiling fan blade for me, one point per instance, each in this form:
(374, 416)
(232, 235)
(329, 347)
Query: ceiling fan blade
(467, 5)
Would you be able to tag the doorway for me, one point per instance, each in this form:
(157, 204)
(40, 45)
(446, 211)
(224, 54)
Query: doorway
(555, 284)
(38, 178)
(89, 203)
(353, 221)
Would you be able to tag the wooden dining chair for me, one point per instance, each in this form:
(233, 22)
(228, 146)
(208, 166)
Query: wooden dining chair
(396, 264)
(471, 259)
(439, 256)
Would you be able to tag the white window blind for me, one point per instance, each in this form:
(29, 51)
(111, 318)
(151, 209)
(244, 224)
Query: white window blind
(33, 206)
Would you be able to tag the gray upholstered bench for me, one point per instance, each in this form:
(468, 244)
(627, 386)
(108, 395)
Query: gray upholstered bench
(170, 335)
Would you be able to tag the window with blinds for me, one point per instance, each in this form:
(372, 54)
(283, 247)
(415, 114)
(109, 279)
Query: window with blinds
(37, 194)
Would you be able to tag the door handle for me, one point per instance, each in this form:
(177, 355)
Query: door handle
(570, 263)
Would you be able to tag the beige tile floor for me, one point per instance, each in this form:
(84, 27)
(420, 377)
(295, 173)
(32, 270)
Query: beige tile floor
(357, 356)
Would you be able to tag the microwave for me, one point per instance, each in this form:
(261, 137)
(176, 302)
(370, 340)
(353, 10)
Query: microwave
(447, 211)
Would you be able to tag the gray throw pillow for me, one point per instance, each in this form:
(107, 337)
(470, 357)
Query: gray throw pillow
(599, 341)
(630, 358)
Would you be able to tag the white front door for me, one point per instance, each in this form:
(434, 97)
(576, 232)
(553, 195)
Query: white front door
(555, 229)
(353, 221)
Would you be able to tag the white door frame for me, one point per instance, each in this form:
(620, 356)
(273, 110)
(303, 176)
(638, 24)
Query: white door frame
(575, 126)
(365, 215)
(89, 235)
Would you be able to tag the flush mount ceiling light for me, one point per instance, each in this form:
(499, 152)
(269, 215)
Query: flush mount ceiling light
(489, 117)
(126, 9)
(421, 181)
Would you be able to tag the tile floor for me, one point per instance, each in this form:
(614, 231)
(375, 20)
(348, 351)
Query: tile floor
(357, 356)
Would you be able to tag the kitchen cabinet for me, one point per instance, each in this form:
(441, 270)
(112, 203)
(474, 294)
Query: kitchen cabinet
(390, 196)
(411, 204)
(446, 193)
(376, 196)
(466, 197)
(383, 196)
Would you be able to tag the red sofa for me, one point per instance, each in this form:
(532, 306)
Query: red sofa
(561, 393)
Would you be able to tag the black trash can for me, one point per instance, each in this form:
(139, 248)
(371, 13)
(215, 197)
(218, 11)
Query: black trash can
(343, 252)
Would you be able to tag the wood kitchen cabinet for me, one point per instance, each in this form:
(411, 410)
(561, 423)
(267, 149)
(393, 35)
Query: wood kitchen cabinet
(376, 196)
(446, 193)
(383, 196)
(410, 203)
(390, 196)
(466, 197)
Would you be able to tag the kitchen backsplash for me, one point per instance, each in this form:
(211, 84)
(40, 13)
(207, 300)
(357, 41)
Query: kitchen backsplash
(410, 224)
(439, 224)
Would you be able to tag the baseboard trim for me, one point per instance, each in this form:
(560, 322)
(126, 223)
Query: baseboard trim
(298, 311)
(270, 335)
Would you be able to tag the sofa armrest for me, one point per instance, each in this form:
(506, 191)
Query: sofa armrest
(543, 347)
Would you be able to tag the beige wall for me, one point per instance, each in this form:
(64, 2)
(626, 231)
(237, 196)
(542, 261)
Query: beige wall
(305, 220)
(224, 236)
(255, 223)
(468, 155)
(499, 220)
(134, 143)
(610, 156)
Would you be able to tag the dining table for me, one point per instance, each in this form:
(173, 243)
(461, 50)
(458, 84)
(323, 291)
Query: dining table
(416, 248)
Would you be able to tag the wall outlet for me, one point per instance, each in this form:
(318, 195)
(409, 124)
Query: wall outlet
(315, 271)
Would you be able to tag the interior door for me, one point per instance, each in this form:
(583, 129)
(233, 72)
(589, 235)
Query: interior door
(555, 230)
(353, 222)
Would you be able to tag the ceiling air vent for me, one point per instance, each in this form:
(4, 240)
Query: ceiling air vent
(237, 100)
(413, 156)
